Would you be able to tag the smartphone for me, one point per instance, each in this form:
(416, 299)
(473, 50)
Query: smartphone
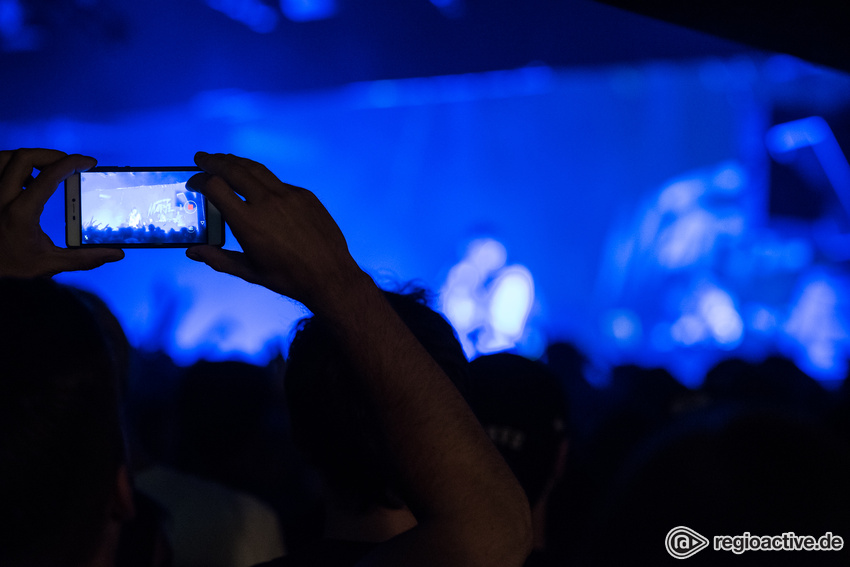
(138, 207)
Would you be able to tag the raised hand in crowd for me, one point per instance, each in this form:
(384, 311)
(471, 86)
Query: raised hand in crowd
(25, 249)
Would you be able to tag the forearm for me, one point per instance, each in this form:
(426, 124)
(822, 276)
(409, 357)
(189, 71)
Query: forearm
(470, 510)
(457, 485)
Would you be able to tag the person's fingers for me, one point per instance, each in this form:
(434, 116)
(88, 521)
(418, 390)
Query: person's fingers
(237, 172)
(48, 180)
(67, 260)
(220, 194)
(18, 169)
(244, 174)
(226, 261)
(5, 156)
(258, 170)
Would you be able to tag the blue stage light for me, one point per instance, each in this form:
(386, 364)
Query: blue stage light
(816, 324)
(813, 132)
(15, 34)
(252, 13)
(308, 10)
(450, 8)
(11, 17)
(510, 305)
(624, 326)
(488, 302)
(723, 320)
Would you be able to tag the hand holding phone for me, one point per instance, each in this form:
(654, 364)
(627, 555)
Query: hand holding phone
(138, 207)
(291, 243)
(25, 250)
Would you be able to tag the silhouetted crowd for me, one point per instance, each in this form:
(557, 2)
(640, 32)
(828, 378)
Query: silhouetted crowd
(759, 448)
(147, 234)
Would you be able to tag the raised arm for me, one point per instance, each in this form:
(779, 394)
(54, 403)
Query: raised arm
(469, 508)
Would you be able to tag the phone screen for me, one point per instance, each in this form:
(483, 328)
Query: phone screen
(140, 208)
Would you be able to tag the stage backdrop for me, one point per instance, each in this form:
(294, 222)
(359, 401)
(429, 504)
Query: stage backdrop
(632, 199)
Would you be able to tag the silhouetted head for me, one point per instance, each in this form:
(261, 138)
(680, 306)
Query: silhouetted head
(521, 406)
(776, 381)
(61, 443)
(116, 340)
(648, 392)
(223, 409)
(332, 424)
(726, 470)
